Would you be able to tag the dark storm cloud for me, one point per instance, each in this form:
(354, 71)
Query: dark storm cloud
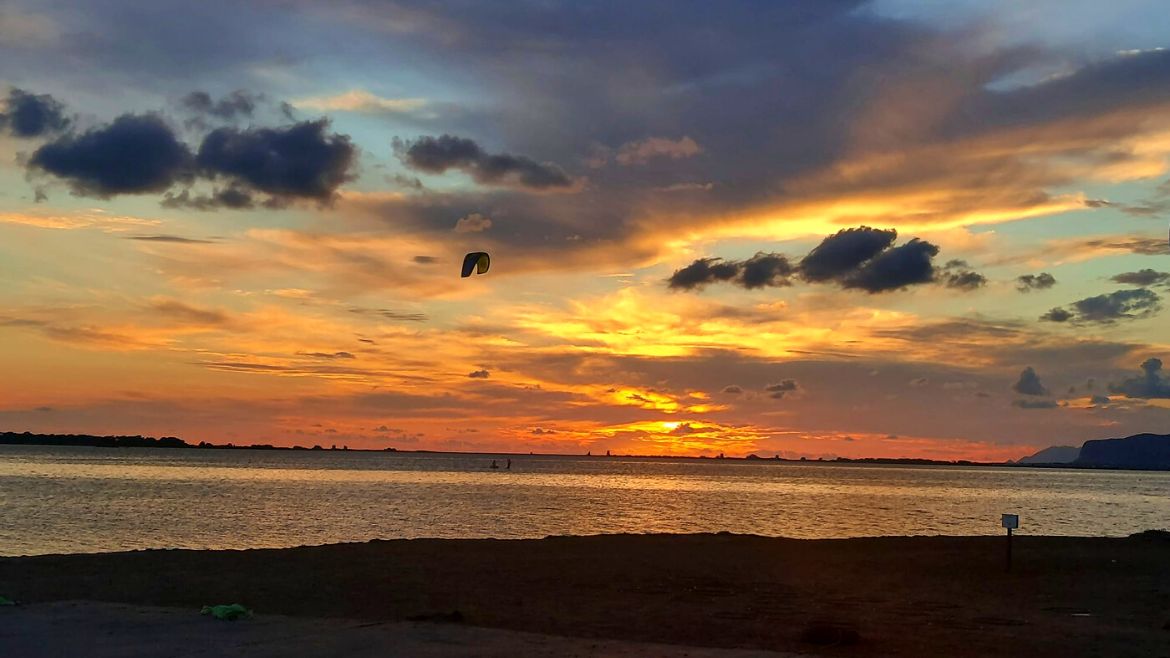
(1029, 383)
(138, 154)
(1146, 277)
(896, 268)
(239, 103)
(765, 270)
(479, 374)
(435, 155)
(858, 258)
(780, 389)
(863, 258)
(230, 197)
(1057, 315)
(965, 280)
(406, 182)
(702, 272)
(1134, 304)
(1123, 304)
(301, 161)
(1149, 385)
(133, 155)
(32, 115)
(1030, 282)
(842, 253)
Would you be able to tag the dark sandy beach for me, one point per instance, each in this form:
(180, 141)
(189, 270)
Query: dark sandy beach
(922, 596)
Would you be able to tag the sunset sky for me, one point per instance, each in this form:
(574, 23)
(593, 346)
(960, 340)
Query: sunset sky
(805, 228)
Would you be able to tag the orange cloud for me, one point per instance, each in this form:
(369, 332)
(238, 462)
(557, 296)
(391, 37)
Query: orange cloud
(94, 218)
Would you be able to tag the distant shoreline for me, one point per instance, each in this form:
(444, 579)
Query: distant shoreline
(170, 442)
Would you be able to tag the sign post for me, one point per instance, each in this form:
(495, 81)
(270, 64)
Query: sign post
(1011, 522)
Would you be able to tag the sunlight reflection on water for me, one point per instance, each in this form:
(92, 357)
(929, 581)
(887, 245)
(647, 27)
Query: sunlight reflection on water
(83, 499)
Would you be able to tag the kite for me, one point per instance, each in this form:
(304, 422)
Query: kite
(476, 260)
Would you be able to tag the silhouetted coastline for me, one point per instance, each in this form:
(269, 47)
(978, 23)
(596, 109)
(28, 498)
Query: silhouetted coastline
(137, 441)
(1113, 454)
(89, 440)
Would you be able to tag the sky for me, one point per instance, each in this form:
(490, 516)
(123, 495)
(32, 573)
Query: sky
(806, 228)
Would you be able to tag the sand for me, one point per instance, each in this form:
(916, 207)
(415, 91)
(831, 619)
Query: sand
(922, 596)
(51, 630)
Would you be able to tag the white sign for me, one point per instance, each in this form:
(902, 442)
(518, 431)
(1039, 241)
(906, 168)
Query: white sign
(1011, 521)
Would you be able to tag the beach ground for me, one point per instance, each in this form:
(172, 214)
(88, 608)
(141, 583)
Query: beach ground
(917, 596)
(116, 630)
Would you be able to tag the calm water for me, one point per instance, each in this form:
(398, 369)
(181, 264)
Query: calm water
(68, 500)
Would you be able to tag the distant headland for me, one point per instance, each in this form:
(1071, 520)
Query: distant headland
(1143, 452)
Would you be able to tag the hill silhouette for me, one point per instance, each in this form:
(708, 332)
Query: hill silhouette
(1140, 452)
(1053, 455)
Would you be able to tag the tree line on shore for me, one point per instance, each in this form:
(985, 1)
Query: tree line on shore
(136, 441)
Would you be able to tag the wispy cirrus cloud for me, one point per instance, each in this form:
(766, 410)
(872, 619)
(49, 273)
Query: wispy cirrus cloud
(436, 155)
(97, 219)
(360, 100)
(643, 151)
(22, 29)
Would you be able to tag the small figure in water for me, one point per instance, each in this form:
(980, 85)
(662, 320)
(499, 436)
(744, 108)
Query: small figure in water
(494, 464)
(509, 466)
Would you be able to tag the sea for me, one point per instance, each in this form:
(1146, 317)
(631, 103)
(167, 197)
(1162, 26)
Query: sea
(81, 500)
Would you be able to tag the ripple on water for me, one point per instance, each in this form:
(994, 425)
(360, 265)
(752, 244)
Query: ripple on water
(85, 499)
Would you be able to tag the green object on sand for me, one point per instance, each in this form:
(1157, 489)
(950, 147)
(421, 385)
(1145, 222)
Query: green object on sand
(228, 612)
(4, 601)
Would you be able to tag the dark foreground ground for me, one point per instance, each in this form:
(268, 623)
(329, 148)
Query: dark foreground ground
(921, 596)
(68, 629)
